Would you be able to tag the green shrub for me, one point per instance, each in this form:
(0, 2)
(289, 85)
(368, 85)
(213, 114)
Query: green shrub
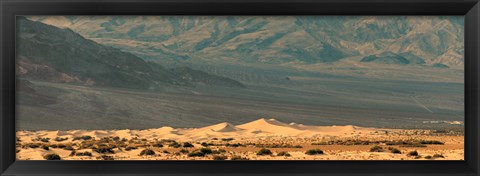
(187, 144)
(147, 152)
(52, 157)
(264, 151)
(314, 152)
(412, 153)
(376, 149)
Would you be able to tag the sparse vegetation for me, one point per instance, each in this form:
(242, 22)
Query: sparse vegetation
(106, 157)
(238, 158)
(42, 139)
(52, 157)
(187, 144)
(219, 157)
(174, 145)
(104, 150)
(147, 152)
(45, 147)
(33, 145)
(438, 156)
(206, 150)
(376, 149)
(394, 150)
(83, 154)
(428, 157)
(283, 154)
(228, 139)
(412, 153)
(196, 153)
(82, 138)
(314, 152)
(59, 139)
(264, 151)
(128, 148)
(184, 151)
(159, 145)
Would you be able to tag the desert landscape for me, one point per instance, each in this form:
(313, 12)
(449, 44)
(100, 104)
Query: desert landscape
(262, 139)
(240, 88)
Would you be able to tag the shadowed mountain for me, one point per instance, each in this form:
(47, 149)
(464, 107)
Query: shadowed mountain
(48, 53)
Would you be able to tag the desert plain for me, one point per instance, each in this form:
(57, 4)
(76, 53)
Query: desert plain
(262, 139)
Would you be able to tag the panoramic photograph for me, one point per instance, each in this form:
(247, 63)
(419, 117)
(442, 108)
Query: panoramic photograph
(239, 88)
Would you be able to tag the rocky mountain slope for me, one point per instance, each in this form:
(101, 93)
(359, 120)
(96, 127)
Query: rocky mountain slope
(52, 54)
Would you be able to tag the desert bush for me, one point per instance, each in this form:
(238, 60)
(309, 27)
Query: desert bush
(82, 138)
(45, 147)
(106, 157)
(128, 148)
(438, 156)
(428, 157)
(18, 150)
(68, 147)
(219, 151)
(431, 142)
(283, 154)
(59, 139)
(52, 157)
(33, 145)
(204, 144)
(83, 154)
(195, 153)
(174, 145)
(165, 151)
(116, 138)
(412, 153)
(184, 151)
(314, 152)
(42, 139)
(159, 145)
(147, 152)
(238, 158)
(228, 139)
(234, 145)
(413, 145)
(264, 151)
(187, 144)
(219, 157)
(103, 150)
(395, 151)
(206, 150)
(418, 157)
(376, 149)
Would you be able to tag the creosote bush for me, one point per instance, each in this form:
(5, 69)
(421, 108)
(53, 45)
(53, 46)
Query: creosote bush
(412, 153)
(82, 138)
(283, 154)
(147, 152)
(106, 157)
(376, 149)
(187, 145)
(438, 156)
(238, 158)
(52, 157)
(219, 157)
(184, 151)
(314, 152)
(264, 151)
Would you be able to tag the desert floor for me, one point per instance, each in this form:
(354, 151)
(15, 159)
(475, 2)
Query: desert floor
(263, 139)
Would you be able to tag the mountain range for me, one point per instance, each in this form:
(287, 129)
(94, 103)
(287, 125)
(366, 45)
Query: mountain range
(278, 40)
(48, 53)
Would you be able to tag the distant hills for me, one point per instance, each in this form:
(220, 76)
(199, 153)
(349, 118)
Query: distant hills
(49, 53)
(281, 40)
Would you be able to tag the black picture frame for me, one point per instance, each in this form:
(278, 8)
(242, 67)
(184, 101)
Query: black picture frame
(11, 8)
